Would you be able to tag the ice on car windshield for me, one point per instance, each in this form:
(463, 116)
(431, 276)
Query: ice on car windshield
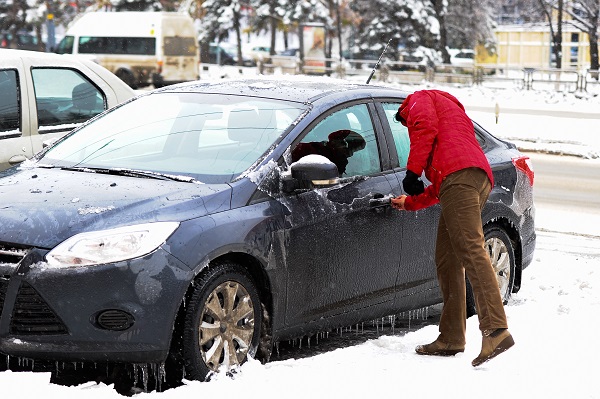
(212, 138)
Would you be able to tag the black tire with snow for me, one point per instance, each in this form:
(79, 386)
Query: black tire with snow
(222, 321)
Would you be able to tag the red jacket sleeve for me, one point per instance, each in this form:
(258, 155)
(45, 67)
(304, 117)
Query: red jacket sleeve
(424, 200)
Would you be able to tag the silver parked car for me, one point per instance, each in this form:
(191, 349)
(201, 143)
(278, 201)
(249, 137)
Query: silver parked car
(44, 96)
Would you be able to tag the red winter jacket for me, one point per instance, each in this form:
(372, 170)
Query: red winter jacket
(442, 141)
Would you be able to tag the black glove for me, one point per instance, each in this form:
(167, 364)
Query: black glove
(399, 118)
(411, 183)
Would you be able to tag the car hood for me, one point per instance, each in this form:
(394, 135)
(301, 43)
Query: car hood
(43, 207)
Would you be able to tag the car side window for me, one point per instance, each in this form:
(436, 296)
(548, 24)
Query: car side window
(399, 132)
(9, 103)
(346, 138)
(63, 96)
(66, 45)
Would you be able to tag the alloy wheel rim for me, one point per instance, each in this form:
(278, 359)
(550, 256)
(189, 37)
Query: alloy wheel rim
(500, 259)
(226, 326)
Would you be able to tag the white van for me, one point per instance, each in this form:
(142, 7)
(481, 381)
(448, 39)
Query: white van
(141, 48)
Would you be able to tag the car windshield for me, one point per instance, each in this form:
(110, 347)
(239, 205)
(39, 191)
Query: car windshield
(208, 137)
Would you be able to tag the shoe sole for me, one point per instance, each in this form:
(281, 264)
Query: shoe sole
(502, 347)
(445, 352)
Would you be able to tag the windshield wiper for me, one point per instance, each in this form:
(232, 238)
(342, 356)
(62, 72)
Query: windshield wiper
(131, 173)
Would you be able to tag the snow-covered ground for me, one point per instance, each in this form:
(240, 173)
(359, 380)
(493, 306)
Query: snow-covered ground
(552, 318)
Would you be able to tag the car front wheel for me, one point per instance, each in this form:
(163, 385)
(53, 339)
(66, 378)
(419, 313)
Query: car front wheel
(222, 321)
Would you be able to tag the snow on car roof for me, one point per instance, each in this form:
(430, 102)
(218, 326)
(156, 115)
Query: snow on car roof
(301, 89)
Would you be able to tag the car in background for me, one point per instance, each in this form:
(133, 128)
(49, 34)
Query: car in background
(45, 95)
(222, 54)
(259, 53)
(202, 223)
(287, 59)
(462, 58)
(142, 48)
(290, 52)
(21, 41)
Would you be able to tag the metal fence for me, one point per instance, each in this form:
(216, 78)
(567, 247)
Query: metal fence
(416, 73)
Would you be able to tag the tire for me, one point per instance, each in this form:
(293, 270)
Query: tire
(222, 322)
(502, 255)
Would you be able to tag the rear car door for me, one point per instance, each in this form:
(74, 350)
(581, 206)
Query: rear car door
(416, 273)
(342, 254)
(61, 100)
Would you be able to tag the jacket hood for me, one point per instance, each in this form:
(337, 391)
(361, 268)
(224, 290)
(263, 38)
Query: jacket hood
(449, 97)
(407, 104)
(43, 207)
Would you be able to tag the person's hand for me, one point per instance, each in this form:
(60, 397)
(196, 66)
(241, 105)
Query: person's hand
(398, 202)
(411, 183)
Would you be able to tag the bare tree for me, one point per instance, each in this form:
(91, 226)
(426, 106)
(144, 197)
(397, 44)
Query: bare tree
(471, 22)
(547, 7)
(440, 8)
(585, 16)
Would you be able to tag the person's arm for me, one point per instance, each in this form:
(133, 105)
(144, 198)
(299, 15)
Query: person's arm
(426, 199)
(415, 202)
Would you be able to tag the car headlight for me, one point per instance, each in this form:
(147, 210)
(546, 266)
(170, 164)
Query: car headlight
(108, 246)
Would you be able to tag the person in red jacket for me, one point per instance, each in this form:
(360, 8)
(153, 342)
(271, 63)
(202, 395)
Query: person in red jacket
(443, 145)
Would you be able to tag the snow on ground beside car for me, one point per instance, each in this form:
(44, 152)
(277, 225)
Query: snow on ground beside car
(552, 318)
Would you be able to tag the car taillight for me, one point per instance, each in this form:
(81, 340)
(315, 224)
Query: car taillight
(524, 165)
(159, 66)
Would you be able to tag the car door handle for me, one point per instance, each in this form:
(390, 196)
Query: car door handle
(380, 201)
(15, 159)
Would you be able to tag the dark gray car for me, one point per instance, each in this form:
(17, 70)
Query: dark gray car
(205, 222)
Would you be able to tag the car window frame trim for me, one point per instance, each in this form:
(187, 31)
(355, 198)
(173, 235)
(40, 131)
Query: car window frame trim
(368, 102)
(387, 131)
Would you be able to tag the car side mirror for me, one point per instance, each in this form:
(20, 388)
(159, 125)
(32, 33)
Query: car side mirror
(311, 171)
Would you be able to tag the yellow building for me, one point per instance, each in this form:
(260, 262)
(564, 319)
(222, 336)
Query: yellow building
(528, 46)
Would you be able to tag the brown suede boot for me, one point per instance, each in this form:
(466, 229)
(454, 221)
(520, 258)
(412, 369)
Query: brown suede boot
(439, 348)
(493, 343)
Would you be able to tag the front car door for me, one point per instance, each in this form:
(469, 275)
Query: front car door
(15, 142)
(64, 98)
(342, 254)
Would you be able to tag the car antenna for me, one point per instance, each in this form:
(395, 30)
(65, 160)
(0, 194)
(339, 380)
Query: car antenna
(378, 61)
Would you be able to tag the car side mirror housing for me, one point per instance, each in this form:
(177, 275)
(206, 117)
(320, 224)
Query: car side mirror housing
(311, 171)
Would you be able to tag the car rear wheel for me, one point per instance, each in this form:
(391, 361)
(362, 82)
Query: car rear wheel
(502, 256)
(222, 322)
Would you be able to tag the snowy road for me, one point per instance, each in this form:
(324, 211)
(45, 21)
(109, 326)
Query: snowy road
(571, 182)
(566, 194)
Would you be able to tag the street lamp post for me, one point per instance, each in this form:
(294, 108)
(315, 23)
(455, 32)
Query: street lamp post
(50, 41)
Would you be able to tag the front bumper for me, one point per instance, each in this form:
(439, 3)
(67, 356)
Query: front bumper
(121, 312)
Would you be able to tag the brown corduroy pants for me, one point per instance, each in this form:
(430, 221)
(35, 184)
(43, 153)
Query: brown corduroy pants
(460, 248)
